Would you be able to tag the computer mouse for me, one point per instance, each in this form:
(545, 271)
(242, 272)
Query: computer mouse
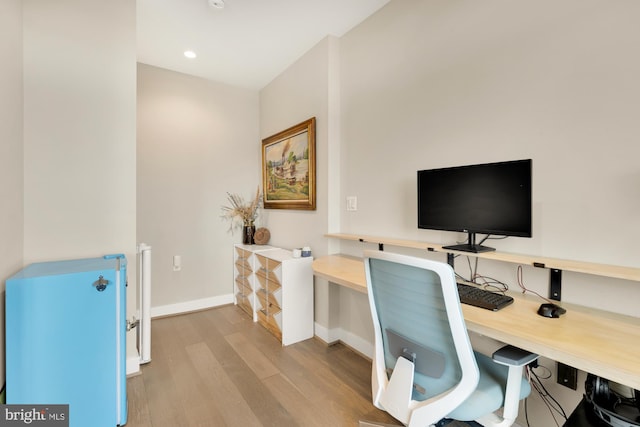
(551, 310)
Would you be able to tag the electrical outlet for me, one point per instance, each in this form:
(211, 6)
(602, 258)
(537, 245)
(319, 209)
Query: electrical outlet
(567, 376)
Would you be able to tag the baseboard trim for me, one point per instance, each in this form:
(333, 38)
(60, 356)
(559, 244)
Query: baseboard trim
(358, 343)
(189, 306)
(133, 365)
(331, 336)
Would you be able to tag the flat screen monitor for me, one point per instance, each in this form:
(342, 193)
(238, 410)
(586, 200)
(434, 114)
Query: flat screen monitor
(490, 198)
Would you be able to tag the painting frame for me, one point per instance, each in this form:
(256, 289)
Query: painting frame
(289, 168)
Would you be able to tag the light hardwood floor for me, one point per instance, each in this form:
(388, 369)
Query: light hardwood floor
(218, 368)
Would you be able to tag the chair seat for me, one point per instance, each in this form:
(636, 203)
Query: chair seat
(489, 395)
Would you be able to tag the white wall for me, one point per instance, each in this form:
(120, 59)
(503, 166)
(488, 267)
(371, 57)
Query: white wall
(79, 129)
(478, 84)
(441, 83)
(79, 132)
(197, 140)
(11, 222)
(308, 88)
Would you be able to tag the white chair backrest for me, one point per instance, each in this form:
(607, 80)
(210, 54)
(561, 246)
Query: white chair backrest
(417, 300)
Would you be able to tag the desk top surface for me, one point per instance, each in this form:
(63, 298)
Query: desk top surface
(595, 341)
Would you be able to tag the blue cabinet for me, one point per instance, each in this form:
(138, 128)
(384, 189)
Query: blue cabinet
(65, 338)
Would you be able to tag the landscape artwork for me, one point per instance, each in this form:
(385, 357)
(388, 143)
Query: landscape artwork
(288, 168)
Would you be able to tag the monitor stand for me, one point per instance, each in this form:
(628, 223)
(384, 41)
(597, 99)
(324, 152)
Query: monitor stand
(471, 246)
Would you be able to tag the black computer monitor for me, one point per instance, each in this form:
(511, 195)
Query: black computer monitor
(490, 198)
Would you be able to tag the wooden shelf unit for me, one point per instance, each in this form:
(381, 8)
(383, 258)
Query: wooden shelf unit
(245, 281)
(613, 271)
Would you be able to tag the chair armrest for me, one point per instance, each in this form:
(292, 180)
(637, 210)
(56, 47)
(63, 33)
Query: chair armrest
(513, 356)
(516, 359)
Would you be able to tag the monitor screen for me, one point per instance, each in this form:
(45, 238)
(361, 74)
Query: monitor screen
(491, 198)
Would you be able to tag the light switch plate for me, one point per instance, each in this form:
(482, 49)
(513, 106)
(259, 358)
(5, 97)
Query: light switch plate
(352, 203)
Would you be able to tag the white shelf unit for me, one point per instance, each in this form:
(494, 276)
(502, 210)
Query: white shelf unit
(276, 290)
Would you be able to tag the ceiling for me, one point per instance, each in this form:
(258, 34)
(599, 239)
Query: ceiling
(248, 42)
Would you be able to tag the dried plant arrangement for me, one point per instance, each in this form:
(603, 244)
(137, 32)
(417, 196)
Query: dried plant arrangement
(240, 213)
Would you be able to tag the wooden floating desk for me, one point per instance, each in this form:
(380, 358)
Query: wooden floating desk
(602, 343)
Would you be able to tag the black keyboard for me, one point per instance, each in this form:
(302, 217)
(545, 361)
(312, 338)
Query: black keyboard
(482, 298)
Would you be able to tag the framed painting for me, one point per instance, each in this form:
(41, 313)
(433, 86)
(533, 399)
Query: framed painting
(289, 168)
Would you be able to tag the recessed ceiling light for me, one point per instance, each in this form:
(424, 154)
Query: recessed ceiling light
(218, 4)
(190, 54)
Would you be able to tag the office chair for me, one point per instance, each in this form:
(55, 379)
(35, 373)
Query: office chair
(424, 368)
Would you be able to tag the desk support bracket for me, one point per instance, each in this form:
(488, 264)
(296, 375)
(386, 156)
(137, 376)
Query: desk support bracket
(555, 284)
(555, 281)
(380, 245)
